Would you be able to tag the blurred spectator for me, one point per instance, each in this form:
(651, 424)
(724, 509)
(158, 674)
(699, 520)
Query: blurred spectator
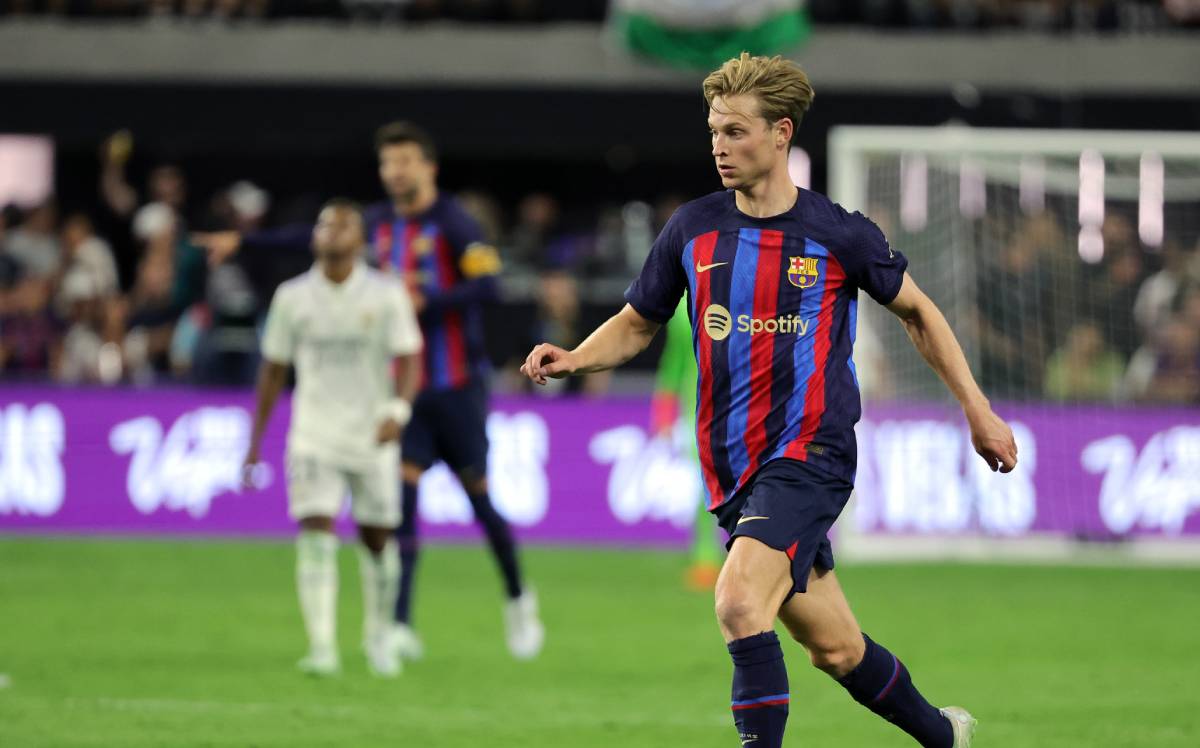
(1012, 347)
(1168, 370)
(32, 243)
(29, 332)
(1085, 368)
(87, 256)
(1159, 291)
(538, 216)
(1111, 290)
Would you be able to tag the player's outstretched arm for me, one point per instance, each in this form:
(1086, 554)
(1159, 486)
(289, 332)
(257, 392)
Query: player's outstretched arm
(271, 379)
(623, 336)
(932, 336)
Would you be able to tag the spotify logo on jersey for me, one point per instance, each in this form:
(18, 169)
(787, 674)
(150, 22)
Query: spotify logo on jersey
(718, 322)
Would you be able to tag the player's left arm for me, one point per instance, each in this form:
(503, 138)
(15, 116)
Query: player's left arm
(478, 264)
(931, 334)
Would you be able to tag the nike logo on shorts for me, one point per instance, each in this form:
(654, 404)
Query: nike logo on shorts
(705, 268)
(748, 519)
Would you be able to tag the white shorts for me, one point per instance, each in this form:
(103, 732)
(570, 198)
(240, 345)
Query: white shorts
(317, 488)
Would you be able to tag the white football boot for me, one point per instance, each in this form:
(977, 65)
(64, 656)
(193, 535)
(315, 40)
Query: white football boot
(382, 658)
(322, 664)
(406, 643)
(524, 631)
(963, 724)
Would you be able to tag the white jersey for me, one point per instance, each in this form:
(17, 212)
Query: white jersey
(342, 339)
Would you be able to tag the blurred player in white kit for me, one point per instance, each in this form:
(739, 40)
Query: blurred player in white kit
(353, 338)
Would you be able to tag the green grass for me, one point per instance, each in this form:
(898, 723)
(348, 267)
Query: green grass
(192, 644)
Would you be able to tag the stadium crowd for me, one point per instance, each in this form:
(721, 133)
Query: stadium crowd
(1049, 15)
(117, 291)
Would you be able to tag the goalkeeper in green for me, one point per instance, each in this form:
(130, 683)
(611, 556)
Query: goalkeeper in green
(675, 402)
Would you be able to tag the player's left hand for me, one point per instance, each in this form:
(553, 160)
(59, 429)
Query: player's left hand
(993, 439)
(389, 431)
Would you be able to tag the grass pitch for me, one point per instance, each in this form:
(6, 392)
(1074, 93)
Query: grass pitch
(193, 644)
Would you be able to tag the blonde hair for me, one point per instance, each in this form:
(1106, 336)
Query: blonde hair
(780, 86)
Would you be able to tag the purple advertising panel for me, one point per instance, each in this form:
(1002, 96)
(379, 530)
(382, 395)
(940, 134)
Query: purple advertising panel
(1087, 472)
(165, 461)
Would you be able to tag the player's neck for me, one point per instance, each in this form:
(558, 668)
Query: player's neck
(421, 201)
(773, 196)
(337, 272)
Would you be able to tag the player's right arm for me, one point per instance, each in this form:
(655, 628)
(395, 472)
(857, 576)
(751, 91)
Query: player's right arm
(623, 336)
(278, 351)
(652, 298)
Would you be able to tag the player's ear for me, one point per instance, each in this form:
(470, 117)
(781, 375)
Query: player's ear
(784, 129)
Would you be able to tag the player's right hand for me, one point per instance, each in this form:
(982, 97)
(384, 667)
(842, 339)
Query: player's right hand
(548, 361)
(219, 245)
(249, 465)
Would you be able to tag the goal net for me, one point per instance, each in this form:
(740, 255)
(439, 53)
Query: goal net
(1068, 265)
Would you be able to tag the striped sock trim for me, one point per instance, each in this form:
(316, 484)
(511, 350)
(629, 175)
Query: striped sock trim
(776, 700)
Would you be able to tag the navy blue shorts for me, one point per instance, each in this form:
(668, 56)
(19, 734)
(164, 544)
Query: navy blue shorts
(790, 506)
(450, 426)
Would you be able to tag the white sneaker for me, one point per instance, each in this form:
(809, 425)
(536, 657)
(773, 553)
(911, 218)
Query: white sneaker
(320, 664)
(525, 633)
(962, 723)
(406, 643)
(382, 658)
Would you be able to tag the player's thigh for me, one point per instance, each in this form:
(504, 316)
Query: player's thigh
(820, 618)
(419, 445)
(753, 583)
(375, 492)
(462, 435)
(315, 487)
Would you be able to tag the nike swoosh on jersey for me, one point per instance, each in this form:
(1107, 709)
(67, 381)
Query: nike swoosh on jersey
(705, 268)
(748, 519)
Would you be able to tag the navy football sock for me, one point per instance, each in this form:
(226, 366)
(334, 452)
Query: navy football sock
(882, 684)
(500, 539)
(406, 539)
(760, 690)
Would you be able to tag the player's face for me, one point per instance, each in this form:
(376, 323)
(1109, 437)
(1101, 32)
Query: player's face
(338, 234)
(405, 171)
(745, 145)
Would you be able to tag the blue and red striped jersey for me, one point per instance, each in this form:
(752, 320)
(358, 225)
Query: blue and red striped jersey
(444, 249)
(773, 305)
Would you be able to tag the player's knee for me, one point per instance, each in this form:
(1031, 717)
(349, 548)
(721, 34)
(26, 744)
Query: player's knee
(374, 538)
(737, 613)
(836, 658)
(474, 483)
(317, 524)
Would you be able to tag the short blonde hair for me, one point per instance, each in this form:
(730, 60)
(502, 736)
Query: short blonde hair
(781, 87)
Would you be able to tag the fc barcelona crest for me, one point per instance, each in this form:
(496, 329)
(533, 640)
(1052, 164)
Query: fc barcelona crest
(802, 272)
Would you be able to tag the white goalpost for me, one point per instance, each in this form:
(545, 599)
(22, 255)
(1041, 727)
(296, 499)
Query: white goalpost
(1068, 264)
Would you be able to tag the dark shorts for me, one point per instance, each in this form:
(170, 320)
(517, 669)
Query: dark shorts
(790, 506)
(450, 426)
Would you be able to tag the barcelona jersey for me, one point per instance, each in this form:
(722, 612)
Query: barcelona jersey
(455, 270)
(773, 308)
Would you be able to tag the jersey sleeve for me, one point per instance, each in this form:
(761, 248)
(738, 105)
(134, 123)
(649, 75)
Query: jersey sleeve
(658, 289)
(870, 262)
(279, 339)
(403, 332)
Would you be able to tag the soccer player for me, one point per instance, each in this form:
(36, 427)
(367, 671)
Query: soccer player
(428, 239)
(772, 274)
(353, 338)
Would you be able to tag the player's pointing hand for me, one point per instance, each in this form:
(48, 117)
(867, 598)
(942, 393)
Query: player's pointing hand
(548, 361)
(993, 440)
